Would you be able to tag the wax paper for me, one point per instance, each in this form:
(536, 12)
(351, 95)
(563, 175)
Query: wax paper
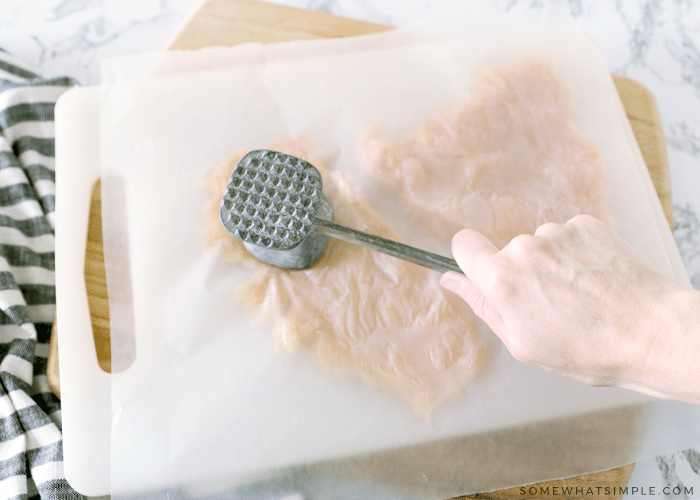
(206, 406)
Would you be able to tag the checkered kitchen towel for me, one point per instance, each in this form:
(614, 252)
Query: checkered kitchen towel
(31, 447)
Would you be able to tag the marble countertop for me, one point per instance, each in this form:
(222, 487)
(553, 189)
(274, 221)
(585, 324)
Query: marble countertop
(654, 42)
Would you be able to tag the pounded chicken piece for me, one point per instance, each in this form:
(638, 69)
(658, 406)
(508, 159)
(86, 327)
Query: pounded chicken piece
(361, 312)
(504, 161)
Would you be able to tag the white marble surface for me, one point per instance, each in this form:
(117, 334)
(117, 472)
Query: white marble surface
(656, 42)
(653, 41)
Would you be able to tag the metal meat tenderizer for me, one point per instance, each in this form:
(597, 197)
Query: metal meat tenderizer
(275, 204)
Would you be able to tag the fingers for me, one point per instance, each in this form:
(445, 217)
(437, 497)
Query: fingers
(462, 286)
(549, 229)
(472, 250)
(469, 249)
(586, 220)
(473, 296)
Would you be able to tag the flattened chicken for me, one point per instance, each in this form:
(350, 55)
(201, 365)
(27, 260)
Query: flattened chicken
(504, 161)
(361, 312)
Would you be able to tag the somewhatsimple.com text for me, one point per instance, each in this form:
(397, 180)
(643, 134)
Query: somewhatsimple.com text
(595, 491)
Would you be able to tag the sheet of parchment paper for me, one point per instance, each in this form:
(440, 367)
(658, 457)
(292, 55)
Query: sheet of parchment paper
(206, 402)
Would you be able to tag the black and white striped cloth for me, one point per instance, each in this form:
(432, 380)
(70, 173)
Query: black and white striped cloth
(31, 447)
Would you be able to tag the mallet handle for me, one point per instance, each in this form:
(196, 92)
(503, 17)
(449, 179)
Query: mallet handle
(394, 248)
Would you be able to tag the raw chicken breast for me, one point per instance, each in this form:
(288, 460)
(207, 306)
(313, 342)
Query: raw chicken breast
(504, 161)
(361, 312)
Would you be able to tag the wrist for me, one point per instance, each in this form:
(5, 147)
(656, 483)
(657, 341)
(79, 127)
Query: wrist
(666, 358)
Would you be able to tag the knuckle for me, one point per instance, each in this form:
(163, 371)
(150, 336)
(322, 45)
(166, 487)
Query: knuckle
(548, 229)
(586, 227)
(520, 245)
(524, 248)
(585, 221)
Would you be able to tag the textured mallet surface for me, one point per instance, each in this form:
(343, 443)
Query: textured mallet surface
(271, 200)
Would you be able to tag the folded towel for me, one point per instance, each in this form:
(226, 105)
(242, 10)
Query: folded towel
(31, 446)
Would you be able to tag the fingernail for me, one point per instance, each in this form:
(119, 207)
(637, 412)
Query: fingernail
(451, 281)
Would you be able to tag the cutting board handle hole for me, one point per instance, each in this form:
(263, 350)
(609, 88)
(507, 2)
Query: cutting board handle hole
(122, 339)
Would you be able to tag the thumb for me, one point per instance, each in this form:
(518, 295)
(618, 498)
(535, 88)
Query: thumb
(474, 297)
(472, 250)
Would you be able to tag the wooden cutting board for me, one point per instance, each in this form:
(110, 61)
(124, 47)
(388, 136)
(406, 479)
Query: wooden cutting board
(230, 22)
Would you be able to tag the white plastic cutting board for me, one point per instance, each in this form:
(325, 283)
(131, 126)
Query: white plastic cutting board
(329, 416)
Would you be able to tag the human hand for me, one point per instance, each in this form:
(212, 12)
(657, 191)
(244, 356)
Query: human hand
(574, 299)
